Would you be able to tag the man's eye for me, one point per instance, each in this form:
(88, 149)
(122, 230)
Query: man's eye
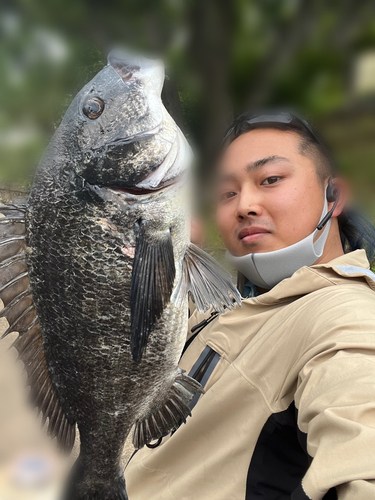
(227, 195)
(271, 180)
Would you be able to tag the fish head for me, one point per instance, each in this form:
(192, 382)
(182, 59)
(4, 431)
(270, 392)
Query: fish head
(119, 133)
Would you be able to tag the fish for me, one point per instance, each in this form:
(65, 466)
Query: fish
(96, 268)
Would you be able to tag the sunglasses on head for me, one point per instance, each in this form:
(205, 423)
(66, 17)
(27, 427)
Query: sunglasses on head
(282, 117)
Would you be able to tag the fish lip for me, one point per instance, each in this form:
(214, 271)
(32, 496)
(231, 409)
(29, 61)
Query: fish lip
(130, 194)
(246, 231)
(140, 135)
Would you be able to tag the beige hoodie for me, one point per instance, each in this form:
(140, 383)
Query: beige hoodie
(289, 407)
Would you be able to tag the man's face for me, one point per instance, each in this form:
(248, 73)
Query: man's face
(264, 183)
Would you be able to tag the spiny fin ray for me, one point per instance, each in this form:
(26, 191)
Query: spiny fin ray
(208, 282)
(20, 312)
(168, 414)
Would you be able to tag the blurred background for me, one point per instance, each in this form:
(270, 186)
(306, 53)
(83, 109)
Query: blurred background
(222, 57)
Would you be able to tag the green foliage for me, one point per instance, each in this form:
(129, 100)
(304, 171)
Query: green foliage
(223, 56)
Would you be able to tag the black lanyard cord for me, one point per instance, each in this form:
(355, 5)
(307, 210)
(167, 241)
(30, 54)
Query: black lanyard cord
(196, 329)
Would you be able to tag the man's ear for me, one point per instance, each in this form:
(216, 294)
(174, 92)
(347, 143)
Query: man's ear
(345, 195)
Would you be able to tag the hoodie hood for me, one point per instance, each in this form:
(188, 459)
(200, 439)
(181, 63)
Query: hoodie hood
(353, 265)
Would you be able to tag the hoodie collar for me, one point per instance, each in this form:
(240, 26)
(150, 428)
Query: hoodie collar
(353, 266)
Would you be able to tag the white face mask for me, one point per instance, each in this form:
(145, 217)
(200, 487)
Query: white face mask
(269, 268)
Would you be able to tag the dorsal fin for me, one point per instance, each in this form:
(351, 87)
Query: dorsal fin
(20, 312)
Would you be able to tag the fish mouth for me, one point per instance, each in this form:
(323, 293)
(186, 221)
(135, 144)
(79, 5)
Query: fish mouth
(136, 191)
(130, 67)
(123, 195)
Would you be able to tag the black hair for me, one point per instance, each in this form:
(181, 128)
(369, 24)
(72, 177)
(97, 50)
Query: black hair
(356, 231)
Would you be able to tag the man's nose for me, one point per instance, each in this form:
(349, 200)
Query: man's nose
(249, 205)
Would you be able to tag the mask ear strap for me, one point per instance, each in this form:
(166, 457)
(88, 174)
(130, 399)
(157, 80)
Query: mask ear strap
(324, 221)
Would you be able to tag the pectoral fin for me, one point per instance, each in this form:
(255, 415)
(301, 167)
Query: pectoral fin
(20, 312)
(209, 283)
(152, 281)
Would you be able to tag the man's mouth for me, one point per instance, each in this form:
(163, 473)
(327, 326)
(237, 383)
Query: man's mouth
(252, 233)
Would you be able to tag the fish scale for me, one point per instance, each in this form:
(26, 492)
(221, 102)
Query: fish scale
(101, 324)
(103, 245)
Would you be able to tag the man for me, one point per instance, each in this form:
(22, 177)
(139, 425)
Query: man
(289, 407)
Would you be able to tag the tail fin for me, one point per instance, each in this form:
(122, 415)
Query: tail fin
(84, 486)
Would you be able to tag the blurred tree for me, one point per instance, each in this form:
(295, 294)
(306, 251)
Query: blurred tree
(222, 57)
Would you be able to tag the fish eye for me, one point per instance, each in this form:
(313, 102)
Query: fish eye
(93, 108)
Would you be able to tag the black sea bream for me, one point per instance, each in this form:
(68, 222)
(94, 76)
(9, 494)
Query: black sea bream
(95, 273)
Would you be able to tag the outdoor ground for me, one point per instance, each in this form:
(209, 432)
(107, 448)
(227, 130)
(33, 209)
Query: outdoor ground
(25, 449)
